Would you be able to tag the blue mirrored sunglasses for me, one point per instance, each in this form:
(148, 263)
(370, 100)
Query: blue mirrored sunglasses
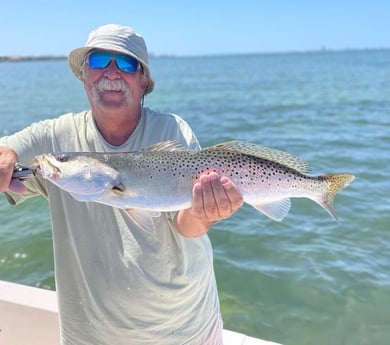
(101, 59)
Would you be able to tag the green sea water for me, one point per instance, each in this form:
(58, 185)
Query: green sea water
(307, 280)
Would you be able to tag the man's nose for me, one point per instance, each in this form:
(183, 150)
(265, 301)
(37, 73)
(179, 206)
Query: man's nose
(112, 70)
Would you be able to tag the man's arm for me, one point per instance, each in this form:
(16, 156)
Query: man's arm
(214, 199)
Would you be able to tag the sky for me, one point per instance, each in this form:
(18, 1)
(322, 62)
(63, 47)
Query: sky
(198, 27)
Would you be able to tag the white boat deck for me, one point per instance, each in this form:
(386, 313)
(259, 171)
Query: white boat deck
(29, 316)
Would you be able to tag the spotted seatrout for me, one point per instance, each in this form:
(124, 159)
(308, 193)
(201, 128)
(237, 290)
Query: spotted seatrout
(160, 178)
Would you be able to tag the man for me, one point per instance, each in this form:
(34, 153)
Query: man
(116, 283)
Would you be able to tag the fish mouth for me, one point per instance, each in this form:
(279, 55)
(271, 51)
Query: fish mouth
(43, 166)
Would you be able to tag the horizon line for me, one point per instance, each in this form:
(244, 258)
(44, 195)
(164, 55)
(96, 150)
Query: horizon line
(17, 58)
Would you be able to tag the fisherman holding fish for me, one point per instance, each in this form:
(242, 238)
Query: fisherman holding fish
(132, 197)
(123, 276)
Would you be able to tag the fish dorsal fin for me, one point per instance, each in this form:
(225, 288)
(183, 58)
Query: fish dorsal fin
(263, 152)
(168, 145)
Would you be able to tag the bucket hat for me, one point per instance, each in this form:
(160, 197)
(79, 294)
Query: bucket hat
(117, 38)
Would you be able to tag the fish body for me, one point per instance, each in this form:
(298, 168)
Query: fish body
(160, 178)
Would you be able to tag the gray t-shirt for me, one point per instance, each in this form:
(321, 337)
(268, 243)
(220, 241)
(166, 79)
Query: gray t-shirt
(116, 283)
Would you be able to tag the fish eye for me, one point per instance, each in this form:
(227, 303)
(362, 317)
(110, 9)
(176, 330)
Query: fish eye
(62, 158)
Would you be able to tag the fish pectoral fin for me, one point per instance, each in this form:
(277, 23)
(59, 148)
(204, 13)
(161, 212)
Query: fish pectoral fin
(143, 219)
(276, 210)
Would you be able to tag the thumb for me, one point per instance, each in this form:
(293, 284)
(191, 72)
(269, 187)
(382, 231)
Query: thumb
(17, 186)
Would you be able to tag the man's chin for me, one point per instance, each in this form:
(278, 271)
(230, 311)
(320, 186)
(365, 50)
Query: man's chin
(113, 102)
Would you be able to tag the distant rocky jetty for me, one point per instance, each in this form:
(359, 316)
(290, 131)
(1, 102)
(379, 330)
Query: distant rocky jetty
(31, 58)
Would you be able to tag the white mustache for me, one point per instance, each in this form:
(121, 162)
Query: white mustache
(105, 84)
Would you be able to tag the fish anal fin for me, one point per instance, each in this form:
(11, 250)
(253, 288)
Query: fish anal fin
(275, 210)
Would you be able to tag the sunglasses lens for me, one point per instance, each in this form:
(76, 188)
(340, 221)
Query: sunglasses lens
(127, 63)
(101, 59)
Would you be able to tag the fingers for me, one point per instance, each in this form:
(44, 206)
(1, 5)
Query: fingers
(8, 158)
(197, 201)
(233, 194)
(17, 186)
(7, 164)
(215, 198)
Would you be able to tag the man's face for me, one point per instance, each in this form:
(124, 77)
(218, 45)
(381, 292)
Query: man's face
(110, 88)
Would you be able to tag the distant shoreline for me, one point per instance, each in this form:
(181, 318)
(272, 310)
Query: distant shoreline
(31, 58)
(17, 58)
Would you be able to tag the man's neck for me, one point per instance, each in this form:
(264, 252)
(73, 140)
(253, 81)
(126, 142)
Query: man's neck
(117, 128)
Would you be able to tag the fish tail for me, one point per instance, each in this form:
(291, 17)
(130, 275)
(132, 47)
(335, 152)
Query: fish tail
(335, 183)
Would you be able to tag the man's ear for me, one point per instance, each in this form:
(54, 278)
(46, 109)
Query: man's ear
(144, 82)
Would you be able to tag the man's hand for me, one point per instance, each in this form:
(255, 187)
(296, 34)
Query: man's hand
(8, 158)
(214, 199)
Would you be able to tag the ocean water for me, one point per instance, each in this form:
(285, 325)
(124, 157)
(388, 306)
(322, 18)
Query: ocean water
(306, 280)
